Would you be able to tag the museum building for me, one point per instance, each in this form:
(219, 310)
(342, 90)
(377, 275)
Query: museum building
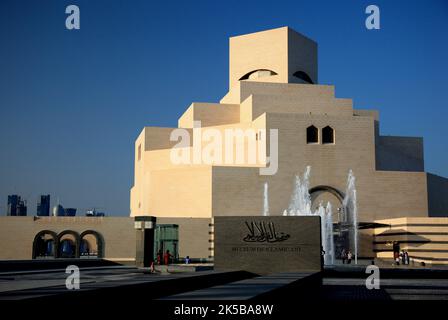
(273, 87)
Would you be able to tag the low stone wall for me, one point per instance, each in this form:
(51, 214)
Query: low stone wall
(17, 234)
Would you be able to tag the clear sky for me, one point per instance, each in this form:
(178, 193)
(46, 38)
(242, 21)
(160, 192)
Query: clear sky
(73, 102)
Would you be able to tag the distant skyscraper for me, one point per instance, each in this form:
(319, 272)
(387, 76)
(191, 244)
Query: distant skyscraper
(70, 212)
(16, 206)
(58, 211)
(21, 208)
(43, 207)
(13, 201)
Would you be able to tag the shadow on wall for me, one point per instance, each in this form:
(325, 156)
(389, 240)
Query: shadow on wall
(395, 240)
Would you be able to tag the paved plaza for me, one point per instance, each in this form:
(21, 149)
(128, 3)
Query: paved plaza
(129, 283)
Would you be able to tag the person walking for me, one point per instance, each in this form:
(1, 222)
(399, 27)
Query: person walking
(167, 257)
(159, 257)
(406, 258)
(322, 255)
(343, 256)
(349, 257)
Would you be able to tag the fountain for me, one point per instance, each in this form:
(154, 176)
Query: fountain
(329, 252)
(265, 200)
(300, 205)
(351, 212)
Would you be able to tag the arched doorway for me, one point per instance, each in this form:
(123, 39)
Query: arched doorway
(91, 244)
(68, 244)
(326, 194)
(45, 245)
(323, 194)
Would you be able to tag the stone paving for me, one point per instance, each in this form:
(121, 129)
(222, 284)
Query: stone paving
(344, 285)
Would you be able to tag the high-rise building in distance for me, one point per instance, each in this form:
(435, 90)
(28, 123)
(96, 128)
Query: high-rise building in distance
(70, 212)
(22, 208)
(13, 201)
(43, 207)
(58, 211)
(16, 206)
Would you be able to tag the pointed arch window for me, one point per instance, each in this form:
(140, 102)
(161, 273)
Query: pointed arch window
(327, 135)
(312, 135)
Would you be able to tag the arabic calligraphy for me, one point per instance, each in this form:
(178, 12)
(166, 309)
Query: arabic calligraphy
(263, 232)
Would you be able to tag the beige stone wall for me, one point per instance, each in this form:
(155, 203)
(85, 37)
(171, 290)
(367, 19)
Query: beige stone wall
(380, 194)
(281, 50)
(180, 193)
(243, 89)
(17, 234)
(154, 192)
(261, 50)
(302, 56)
(165, 189)
(158, 138)
(292, 105)
(210, 114)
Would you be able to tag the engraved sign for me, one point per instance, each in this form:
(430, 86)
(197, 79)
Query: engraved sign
(267, 244)
(263, 232)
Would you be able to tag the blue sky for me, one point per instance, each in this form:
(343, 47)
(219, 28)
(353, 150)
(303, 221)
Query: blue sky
(73, 102)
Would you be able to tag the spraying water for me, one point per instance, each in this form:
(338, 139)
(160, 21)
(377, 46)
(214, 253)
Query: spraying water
(300, 205)
(266, 200)
(329, 233)
(351, 212)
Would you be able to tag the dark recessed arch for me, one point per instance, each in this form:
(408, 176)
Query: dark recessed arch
(312, 134)
(99, 242)
(43, 247)
(315, 191)
(247, 75)
(66, 249)
(303, 76)
(327, 135)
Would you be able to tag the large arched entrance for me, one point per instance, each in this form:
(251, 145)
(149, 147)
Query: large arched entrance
(45, 245)
(91, 244)
(68, 244)
(324, 194)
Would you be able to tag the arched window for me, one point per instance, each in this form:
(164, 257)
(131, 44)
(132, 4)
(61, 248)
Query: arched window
(312, 135)
(260, 73)
(68, 244)
(91, 244)
(303, 76)
(327, 135)
(44, 245)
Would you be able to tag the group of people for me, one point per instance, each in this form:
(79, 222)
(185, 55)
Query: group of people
(164, 258)
(402, 257)
(346, 255)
